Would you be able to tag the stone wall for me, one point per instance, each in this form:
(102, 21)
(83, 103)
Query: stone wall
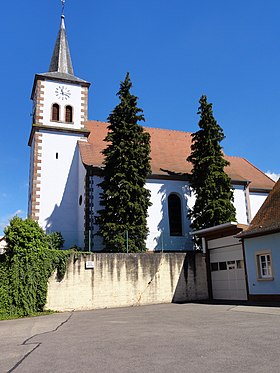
(120, 280)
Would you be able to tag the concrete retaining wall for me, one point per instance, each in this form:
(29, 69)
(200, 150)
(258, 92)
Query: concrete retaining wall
(120, 280)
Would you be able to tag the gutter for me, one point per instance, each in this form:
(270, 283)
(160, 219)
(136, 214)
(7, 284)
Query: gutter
(213, 229)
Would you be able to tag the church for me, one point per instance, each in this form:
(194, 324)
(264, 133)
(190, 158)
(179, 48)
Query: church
(66, 166)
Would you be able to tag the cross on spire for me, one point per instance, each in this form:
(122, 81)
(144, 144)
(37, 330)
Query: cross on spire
(63, 5)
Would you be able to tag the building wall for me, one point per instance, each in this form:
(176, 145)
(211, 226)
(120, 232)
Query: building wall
(256, 245)
(50, 98)
(31, 178)
(120, 280)
(240, 204)
(59, 185)
(159, 238)
(81, 206)
(256, 200)
(158, 222)
(56, 171)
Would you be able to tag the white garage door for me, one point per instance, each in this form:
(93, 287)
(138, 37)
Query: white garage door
(227, 272)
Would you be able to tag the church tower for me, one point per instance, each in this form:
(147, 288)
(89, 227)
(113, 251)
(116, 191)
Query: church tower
(59, 116)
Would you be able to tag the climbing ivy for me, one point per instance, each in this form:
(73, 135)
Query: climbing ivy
(26, 267)
(5, 301)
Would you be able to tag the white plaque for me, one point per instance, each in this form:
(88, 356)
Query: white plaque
(89, 264)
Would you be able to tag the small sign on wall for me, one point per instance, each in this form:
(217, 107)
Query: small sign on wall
(89, 264)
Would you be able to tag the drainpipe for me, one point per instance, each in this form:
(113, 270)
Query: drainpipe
(247, 202)
(203, 245)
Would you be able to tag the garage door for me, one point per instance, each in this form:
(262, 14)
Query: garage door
(227, 272)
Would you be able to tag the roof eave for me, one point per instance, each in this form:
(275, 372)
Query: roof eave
(222, 230)
(46, 76)
(258, 233)
(38, 127)
(260, 190)
(204, 231)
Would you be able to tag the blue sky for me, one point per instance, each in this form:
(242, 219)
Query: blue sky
(175, 51)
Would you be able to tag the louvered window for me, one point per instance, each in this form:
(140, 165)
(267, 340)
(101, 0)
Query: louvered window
(69, 114)
(55, 112)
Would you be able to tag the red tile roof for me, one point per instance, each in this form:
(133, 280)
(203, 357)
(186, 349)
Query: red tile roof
(169, 150)
(267, 219)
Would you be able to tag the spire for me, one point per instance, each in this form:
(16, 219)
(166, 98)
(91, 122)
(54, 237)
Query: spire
(61, 59)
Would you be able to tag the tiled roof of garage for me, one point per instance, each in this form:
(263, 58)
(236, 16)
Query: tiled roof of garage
(267, 219)
(169, 150)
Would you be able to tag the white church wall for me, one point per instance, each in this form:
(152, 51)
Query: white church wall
(158, 222)
(74, 100)
(31, 169)
(240, 204)
(59, 185)
(159, 236)
(81, 203)
(256, 200)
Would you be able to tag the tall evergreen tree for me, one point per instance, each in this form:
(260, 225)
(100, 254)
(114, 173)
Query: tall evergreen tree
(210, 183)
(125, 199)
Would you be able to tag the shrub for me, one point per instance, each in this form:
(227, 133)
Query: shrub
(27, 266)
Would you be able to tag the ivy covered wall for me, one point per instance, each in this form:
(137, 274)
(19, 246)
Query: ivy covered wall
(30, 259)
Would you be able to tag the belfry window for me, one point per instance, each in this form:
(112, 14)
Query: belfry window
(175, 215)
(55, 112)
(68, 114)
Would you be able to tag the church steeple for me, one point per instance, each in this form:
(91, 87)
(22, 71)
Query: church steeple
(59, 121)
(61, 59)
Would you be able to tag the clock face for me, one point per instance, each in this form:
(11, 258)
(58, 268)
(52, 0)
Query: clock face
(62, 92)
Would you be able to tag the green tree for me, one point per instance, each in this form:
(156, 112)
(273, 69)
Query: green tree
(210, 183)
(27, 266)
(55, 240)
(125, 199)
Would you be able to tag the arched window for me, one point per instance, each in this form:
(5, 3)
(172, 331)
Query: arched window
(55, 112)
(175, 215)
(68, 114)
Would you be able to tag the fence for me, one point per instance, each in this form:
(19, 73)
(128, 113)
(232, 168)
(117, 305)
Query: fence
(159, 241)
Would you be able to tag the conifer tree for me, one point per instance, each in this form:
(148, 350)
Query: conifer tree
(210, 183)
(125, 199)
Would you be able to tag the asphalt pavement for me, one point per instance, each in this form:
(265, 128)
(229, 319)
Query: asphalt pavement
(193, 338)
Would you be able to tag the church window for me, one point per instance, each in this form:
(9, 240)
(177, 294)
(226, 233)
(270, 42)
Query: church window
(56, 155)
(175, 215)
(55, 112)
(68, 114)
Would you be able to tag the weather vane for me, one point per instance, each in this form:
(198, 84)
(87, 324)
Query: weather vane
(63, 5)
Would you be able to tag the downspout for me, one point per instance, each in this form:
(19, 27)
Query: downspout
(247, 202)
(245, 269)
(208, 268)
(203, 245)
